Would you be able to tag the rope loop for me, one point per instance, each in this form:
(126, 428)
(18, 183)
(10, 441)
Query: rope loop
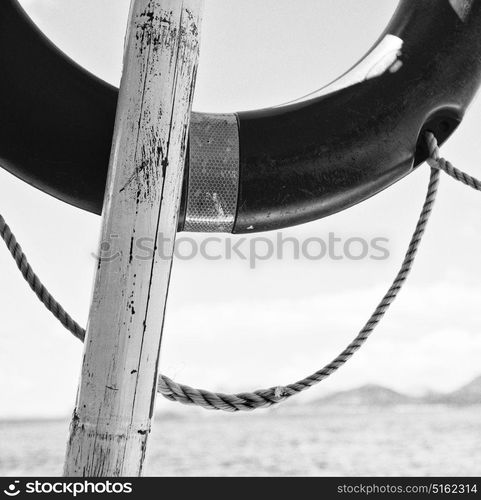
(266, 398)
(435, 161)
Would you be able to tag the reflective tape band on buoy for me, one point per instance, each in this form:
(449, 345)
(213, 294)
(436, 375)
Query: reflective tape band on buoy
(257, 170)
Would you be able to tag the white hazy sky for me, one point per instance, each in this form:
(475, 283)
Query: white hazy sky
(229, 327)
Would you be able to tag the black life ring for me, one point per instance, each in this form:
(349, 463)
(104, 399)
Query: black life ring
(259, 170)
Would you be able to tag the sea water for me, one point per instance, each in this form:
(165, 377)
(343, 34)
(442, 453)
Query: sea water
(401, 441)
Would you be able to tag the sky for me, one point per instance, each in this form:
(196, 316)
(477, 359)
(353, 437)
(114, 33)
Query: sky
(229, 327)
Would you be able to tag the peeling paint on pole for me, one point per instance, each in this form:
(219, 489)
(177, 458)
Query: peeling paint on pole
(115, 402)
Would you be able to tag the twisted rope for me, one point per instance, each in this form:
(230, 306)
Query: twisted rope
(268, 397)
(435, 161)
(36, 285)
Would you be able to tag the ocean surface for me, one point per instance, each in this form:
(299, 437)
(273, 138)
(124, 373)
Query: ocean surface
(402, 441)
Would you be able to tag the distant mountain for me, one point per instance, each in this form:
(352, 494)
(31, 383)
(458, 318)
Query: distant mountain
(367, 395)
(379, 396)
(469, 394)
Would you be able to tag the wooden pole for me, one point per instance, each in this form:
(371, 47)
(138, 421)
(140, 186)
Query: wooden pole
(115, 401)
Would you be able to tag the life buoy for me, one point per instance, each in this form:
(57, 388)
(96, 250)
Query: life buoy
(257, 170)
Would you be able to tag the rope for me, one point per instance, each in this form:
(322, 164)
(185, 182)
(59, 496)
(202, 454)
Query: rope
(36, 285)
(435, 161)
(265, 398)
(275, 395)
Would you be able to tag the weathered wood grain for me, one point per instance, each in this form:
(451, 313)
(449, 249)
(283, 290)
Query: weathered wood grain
(112, 419)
